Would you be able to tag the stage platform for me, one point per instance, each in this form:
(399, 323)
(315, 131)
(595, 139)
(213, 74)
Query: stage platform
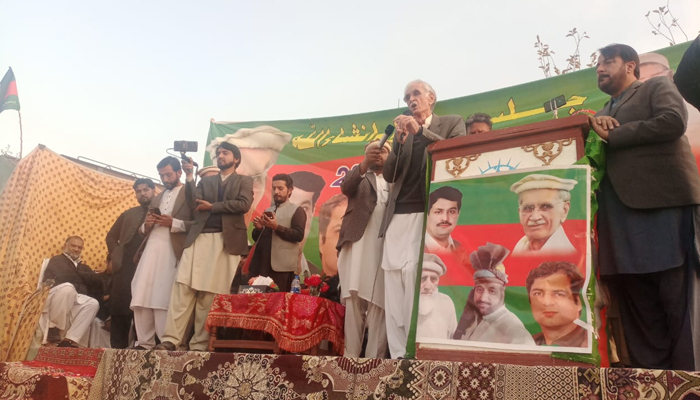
(75, 374)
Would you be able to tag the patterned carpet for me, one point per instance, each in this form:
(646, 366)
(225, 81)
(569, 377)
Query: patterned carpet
(124, 374)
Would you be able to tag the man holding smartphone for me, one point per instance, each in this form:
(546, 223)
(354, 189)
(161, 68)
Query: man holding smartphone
(278, 234)
(166, 225)
(123, 241)
(213, 247)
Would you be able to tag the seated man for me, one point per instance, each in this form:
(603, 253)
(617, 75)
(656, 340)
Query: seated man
(71, 305)
(437, 317)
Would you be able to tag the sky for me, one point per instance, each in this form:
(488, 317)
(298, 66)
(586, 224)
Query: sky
(118, 82)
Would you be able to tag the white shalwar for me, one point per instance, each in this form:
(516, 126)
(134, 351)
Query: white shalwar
(362, 285)
(154, 277)
(402, 245)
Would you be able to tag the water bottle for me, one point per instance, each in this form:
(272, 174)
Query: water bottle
(296, 286)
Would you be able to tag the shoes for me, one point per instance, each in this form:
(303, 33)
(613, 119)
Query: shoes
(137, 348)
(54, 336)
(166, 346)
(68, 343)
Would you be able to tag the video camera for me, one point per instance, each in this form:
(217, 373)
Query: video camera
(183, 146)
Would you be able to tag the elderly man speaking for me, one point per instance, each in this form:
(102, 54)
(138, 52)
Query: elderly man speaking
(543, 204)
(402, 227)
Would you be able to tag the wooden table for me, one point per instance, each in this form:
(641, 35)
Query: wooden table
(298, 323)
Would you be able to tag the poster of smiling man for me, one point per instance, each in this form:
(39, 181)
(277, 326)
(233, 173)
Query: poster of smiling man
(506, 262)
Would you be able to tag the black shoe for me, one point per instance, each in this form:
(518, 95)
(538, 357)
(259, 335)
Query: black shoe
(54, 336)
(166, 346)
(68, 343)
(137, 348)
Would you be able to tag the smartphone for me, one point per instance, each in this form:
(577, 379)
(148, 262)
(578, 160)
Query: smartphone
(270, 214)
(154, 210)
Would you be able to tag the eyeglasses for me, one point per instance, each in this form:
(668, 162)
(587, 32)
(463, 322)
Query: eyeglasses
(544, 207)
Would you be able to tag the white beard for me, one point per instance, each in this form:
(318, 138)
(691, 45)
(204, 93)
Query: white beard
(426, 304)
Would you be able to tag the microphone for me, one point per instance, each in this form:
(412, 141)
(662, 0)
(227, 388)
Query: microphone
(390, 130)
(387, 134)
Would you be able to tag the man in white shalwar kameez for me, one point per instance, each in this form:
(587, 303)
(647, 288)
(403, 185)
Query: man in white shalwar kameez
(437, 318)
(543, 205)
(156, 270)
(213, 247)
(359, 270)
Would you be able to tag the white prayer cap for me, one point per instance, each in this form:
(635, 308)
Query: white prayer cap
(431, 262)
(653, 58)
(540, 181)
(386, 145)
(206, 170)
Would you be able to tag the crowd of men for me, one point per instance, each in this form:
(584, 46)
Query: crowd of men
(174, 252)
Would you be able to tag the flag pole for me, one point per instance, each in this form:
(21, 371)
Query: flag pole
(19, 113)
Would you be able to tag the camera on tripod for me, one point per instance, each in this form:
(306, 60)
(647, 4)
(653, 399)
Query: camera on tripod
(183, 146)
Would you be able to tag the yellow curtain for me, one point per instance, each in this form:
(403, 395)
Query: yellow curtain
(47, 199)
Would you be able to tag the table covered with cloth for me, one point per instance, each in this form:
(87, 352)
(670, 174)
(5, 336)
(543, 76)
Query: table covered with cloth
(297, 322)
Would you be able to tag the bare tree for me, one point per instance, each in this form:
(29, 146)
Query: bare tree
(667, 21)
(573, 62)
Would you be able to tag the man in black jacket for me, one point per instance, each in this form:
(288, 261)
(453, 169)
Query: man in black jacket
(687, 76)
(72, 304)
(123, 240)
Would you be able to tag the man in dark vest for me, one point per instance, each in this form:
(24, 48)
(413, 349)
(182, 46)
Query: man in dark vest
(123, 240)
(278, 234)
(72, 303)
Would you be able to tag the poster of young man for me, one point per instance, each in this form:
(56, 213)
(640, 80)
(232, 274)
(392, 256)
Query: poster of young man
(511, 254)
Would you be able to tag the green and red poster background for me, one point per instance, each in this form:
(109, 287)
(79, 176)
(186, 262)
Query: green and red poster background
(489, 214)
(330, 146)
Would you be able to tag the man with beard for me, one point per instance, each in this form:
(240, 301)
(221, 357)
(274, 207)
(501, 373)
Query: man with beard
(166, 230)
(72, 303)
(485, 317)
(444, 205)
(436, 311)
(213, 247)
(123, 240)
(361, 277)
(278, 234)
(650, 188)
(308, 188)
(402, 226)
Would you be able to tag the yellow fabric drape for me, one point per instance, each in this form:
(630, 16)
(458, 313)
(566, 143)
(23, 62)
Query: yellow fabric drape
(47, 199)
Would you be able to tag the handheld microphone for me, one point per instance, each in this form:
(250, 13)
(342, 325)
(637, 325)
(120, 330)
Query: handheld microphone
(387, 134)
(390, 130)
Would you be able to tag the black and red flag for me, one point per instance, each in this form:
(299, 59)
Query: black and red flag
(9, 100)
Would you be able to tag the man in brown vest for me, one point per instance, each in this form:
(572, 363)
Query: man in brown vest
(278, 234)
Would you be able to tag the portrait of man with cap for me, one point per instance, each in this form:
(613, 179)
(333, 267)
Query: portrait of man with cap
(485, 317)
(543, 205)
(436, 311)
